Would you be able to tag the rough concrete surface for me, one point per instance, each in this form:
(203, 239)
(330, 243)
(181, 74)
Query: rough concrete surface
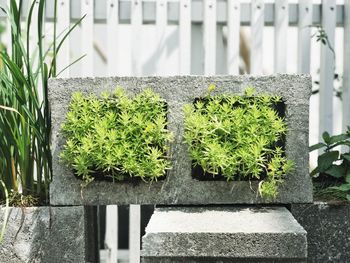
(46, 235)
(179, 187)
(328, 230)
(244, 234)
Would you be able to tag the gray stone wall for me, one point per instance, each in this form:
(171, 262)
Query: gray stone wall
(328, 230)
(47, 235)
(179, 187)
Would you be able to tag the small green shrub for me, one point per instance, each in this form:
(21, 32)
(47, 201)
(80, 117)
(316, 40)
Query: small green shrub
(117, 136)
(331, 177)
(237, 137)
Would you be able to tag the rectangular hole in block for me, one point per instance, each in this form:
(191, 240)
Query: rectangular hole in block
(199, 174)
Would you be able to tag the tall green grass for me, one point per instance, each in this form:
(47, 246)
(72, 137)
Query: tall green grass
(25, 158)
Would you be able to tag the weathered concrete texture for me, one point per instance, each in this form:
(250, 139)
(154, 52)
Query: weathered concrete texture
(46, 234)
(179, 187)
(240, 234)
(328, 230)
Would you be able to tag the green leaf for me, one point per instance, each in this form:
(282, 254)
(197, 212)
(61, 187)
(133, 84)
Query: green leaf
(317, 146)
(314, 172)
(326, 159)
(346, 156)
(347, 178)
(338, 138)
(326, 137)
(336, 171)
(342, 188)
(348, 197)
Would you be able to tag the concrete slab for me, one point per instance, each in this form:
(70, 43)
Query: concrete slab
(47, 234)
(179, 187)
(240, 234)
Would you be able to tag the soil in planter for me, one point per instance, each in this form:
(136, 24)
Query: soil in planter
(199, 174)
(107, 177)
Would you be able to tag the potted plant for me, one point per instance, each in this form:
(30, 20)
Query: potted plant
(326, 220)
(117, 138)
(81, 145)
(29, 225)
(238, 138)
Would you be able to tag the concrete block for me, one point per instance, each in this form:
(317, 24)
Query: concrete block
(47, 234)
(328, 230)
(179, 187)
(232, 234)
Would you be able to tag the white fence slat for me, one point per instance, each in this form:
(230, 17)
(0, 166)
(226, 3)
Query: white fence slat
(161, 23)
(185, 24)
(87, 31)
(136, 23)
(281, 28)
(112, 37)
(111, 239)
(62, 27)
(134, 233)
(6, 36)
(209, 37)
(257, 28)
(33, 31)
(327, 68)
(304, 36)
(346, 72)
(233, 27)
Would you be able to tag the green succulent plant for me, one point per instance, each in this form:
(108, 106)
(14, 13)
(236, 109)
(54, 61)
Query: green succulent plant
(238, 138)
(117, 136)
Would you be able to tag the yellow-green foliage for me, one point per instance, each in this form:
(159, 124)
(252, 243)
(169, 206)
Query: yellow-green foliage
(236, 136)
(117, 135)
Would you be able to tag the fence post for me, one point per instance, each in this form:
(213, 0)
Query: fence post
(209, 36)
(112, 37)
(233, 26)
(185, 24)
(281, 28)
(257, 28)
(304, 35)
(327, 67)
(346, 71)
(87, 34)
(62, 26)
(134, 233)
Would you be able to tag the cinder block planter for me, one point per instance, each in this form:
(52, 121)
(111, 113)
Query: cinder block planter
(240, 234)
(47, 234)
(328, 230)
(180, 187)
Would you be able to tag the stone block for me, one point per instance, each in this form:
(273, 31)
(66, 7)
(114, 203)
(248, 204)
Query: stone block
(232, 234)
(179, 187)
(328, 230)
(47, 234)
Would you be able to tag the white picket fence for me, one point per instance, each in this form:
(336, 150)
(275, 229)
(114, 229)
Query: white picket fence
(180, 37)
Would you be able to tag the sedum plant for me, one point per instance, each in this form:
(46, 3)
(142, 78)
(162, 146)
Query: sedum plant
(237, 137)
(116, 136)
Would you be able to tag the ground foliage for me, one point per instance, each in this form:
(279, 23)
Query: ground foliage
(332, 175)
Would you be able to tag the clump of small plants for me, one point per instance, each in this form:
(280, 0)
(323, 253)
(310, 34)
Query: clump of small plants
(331, 177)
(117, 137)
(238, 138)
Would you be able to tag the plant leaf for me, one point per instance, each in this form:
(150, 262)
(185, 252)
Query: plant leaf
(338, 138)
(348, 197)
(326, 160)
(326, 137)
(336, 171)
(342, 188)
(317, 146)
